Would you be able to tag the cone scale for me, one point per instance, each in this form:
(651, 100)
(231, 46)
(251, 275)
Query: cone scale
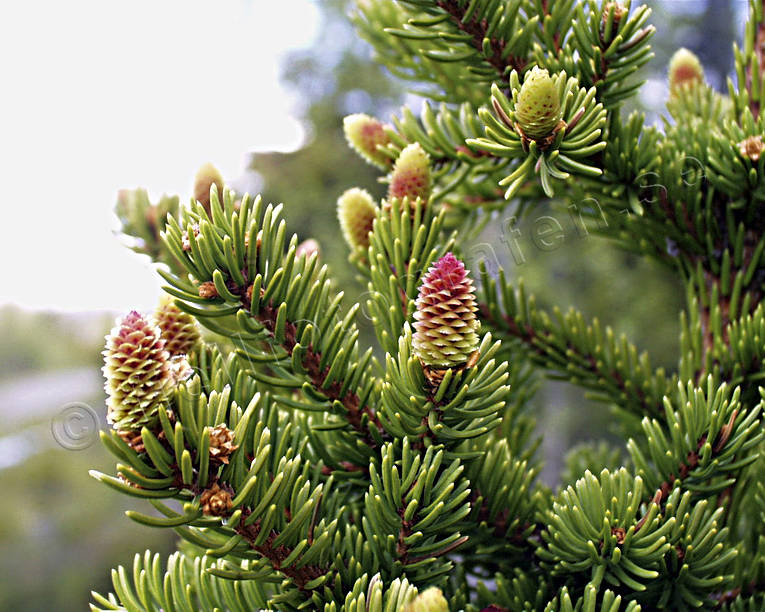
(445, 321)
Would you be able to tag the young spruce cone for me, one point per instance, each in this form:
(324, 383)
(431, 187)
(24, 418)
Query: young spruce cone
(430, 600)
(411, 174)
(138, 373)
(685, 70)
(364, 134)
(207, 176)
(538, 108)
(178, 329)
(446, 325)
(356, 211)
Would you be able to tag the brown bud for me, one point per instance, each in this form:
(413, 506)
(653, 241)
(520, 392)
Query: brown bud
(751, 148)
(222, 443)
(207, 290)
(185, 243)
(215, 501)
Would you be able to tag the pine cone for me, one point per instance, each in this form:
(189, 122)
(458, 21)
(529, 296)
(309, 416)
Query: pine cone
(356, 211)
(137, 371)
(446, 325)
(364, 134)
(685, 70)
(206, 177)
(538, 107)
(179, 329)
(430, 600)
(411, 174)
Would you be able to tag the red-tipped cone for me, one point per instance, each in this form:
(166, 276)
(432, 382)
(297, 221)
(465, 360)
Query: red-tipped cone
(179, 329)
(411, 174)
(138, 373)
(364, 134)
(446, 324)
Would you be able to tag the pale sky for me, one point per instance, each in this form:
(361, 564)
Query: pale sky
(99, 95)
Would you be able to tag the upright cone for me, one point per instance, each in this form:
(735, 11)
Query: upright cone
(685, 71)
(207, 176)
(430, 600)
(178, 329)
(138, 373)
(446, 324)
(356, 211)
(365, 134)
(411, 174)
(538, 107)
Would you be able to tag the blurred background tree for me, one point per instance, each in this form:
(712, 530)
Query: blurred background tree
(50, 359)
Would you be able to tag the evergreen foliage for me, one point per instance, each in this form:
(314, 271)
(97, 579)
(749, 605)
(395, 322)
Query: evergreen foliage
(303, 472)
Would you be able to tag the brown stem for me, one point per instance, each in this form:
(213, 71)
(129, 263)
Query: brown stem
(530, 338)
(277, 554)
(312, 364)
(477, 29)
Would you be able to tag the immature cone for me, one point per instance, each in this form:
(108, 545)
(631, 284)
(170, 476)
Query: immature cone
(206, 177)
(538, 108)
(356, 211)
(138, 373)
(411, 174)
(446, 325)
(430, 600)
(308, 247)
(179, 330)
(685, 70)
(364, 134)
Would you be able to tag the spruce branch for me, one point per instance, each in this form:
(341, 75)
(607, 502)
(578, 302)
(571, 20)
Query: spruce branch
(572, 349)
(472, 24)
(275, 307)
(720, 437)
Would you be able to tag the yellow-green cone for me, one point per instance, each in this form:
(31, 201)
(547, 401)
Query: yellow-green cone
(138, 373)
(364, 134)
(446, 325)
(411, 174)
(538, 109)
(206, 177)
(430, 600)
(685, 70)
(356, 211)
(178, 329)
